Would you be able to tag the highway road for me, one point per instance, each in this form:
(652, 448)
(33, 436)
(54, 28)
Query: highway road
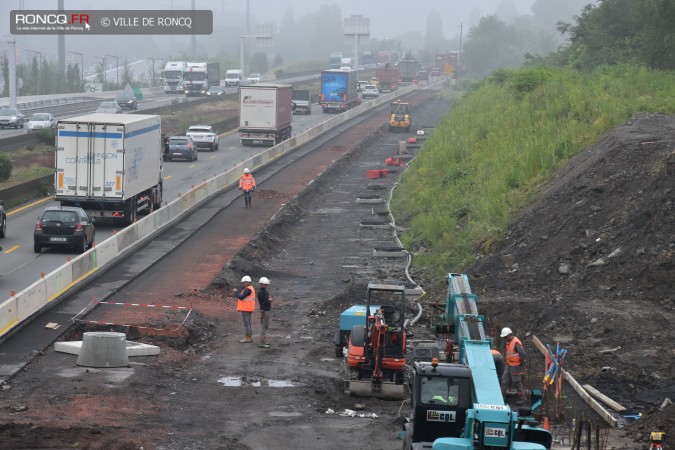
(152, 98)
(20, 266)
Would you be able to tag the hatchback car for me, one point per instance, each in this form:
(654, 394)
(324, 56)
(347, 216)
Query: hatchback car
(41, 120)
(127, 100)
(64, 226)
(10, 117)
(215, 91)
(370, 91)
(254, 78)
(110, 107)
(182, 147)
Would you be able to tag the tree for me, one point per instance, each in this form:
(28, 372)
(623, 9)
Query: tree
(259, 63)
(492, 45)
(622, 31)
(433, 37)
(127, 75)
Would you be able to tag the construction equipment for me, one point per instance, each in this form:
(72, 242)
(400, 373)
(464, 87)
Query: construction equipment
(459, 405)
(375, 361)
(401, 117)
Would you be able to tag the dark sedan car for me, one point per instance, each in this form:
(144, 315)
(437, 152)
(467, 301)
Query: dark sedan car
(64, 226)
(126, 100)
(182, 147)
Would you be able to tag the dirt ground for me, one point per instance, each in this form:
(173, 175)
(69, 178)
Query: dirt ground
(207, 391)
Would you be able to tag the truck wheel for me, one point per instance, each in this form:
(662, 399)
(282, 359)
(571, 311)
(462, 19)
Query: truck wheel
(37, 248)
(3, 228)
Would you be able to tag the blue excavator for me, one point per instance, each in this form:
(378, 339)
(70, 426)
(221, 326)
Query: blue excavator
(459, 406)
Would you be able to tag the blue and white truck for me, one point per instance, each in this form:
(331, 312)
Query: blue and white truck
(109, 164)
(339, 90)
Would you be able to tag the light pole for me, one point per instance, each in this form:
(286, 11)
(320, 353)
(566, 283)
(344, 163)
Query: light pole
(152, 78)
(117, 70)
(459, 57)
(105, 69)
(81, 65)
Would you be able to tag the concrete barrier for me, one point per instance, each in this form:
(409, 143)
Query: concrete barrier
(106, 251)
(58, 281)
(8, 315)
(32, 299)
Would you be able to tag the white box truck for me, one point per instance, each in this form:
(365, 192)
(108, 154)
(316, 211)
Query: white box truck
(109, 164)
(265, 113)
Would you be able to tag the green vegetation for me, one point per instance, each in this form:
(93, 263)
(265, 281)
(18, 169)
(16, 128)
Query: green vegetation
(489, 156)
(5, 167)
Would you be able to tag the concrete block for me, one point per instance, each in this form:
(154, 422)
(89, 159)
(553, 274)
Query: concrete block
(133, 348)
(103, 349)
(8, 315)
(58, 281)
(31, 299)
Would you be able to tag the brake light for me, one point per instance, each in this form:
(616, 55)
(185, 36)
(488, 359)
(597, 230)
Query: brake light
(188, 146)
(38, 226)
(79, 227)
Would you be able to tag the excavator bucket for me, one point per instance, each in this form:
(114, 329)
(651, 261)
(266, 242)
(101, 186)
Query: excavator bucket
(385, 391)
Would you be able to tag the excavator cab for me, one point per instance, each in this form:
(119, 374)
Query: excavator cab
(401, 117)
(441, 395)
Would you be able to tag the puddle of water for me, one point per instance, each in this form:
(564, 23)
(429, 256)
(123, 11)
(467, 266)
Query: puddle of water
(230, 381)
(237, 382)
(284, 414)
(327, 359)
(280, 383)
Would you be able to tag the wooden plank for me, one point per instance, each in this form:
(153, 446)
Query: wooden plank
(603, 398)
(593, 403)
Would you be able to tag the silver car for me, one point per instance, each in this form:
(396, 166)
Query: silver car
(41, 120)
(12, 118)
(370, 91)
(111, 107)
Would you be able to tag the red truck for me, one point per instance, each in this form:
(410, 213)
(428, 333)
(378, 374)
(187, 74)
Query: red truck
(387, 79)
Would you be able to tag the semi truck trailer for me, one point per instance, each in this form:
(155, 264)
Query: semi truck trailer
(109, 164)
(265, 113)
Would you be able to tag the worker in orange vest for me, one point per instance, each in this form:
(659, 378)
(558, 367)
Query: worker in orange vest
(499, 363)
(247, 184)
(246, 305)
(515, 364)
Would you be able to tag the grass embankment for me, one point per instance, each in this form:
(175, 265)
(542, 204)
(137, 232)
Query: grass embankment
(491, 153)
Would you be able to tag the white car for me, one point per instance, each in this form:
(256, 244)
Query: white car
(370, 91)
(254, 78)
(41, 120)
(204, 137)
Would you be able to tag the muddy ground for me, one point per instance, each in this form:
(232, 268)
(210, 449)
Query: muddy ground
(207, 391)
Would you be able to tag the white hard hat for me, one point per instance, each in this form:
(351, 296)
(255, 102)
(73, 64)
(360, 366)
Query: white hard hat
(246, 279)
(246, 170)
(505, 332)
(264, 280)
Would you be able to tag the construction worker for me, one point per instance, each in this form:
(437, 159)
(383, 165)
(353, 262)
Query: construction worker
(265, 302)
(656, 438)
(246, 305)
(499, 363)
(247, 184)
(515, 364)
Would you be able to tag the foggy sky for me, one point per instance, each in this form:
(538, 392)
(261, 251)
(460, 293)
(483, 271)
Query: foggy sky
(388, 18)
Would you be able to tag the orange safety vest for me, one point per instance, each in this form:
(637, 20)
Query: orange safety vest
(246, 182)
(512, 356)
(248, 303)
